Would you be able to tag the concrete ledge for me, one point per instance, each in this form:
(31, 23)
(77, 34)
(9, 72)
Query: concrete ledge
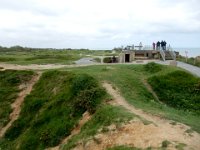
(173, 63)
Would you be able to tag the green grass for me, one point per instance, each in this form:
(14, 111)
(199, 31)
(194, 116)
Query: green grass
(178, 89)
(129, 80)
(165, 144)
(152, 67)
(9, 82)
(122, 147)
(52, 110)
(105, 116)
(180, 146)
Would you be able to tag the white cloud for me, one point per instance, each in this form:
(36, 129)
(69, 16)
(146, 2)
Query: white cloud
(97, 23)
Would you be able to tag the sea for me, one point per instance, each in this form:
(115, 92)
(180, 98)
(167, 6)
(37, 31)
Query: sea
(191, 52)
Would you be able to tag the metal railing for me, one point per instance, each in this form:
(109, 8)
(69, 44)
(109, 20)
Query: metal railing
(173, 54)
(162, 53)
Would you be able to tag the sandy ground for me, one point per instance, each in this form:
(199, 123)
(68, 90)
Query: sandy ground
(136, 134)
(26, 88)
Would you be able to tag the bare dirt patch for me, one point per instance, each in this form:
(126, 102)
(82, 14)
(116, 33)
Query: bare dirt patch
(25, 88)
(38, 67)
(136, 134)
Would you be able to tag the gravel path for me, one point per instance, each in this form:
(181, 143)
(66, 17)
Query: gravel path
(193, 69)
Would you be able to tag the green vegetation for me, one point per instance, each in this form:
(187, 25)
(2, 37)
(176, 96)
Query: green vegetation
(39, 57)
(178, 89)
(107, 59)
(152, 67)
(105, 116)
(180, 146)
(9, 82)
(24, 56)
(122, 147)
(52, 110)
(165, 143)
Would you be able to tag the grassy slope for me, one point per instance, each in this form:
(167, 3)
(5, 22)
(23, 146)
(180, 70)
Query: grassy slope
(178, 89)
(52, 109)
(128, 78)
(9, 82)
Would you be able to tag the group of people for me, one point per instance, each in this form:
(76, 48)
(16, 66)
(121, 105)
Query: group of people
(158, 45)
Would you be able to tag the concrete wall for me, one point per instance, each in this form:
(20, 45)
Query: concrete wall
(122, 56)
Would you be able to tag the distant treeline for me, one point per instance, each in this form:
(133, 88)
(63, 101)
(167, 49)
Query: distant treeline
(20, 48)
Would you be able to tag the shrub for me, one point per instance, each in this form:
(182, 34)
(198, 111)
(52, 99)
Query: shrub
(107, 60)
(88, 93)
(152, 67)
(165, 144)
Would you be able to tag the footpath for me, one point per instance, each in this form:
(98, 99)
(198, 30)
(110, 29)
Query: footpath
(193, 69)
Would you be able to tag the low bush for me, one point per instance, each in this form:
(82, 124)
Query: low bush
(152, 67)
(107, 60)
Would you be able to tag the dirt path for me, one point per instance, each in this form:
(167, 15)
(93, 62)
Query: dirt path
(39, 67)
(142, 136)
(26, 88)
(86, 117)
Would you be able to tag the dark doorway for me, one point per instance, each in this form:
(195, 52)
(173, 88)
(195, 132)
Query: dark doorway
(127, 57)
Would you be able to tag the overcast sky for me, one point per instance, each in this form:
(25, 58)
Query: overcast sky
(99, 23)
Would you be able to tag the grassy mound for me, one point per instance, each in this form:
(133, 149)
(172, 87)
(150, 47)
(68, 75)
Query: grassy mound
(52, 110)
(152, 67)
(9, 82)
(178, 89)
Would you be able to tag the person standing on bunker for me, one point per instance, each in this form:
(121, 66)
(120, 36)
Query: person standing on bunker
(165, 45)
(154, 45)
(158, 45)
(162, 45)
